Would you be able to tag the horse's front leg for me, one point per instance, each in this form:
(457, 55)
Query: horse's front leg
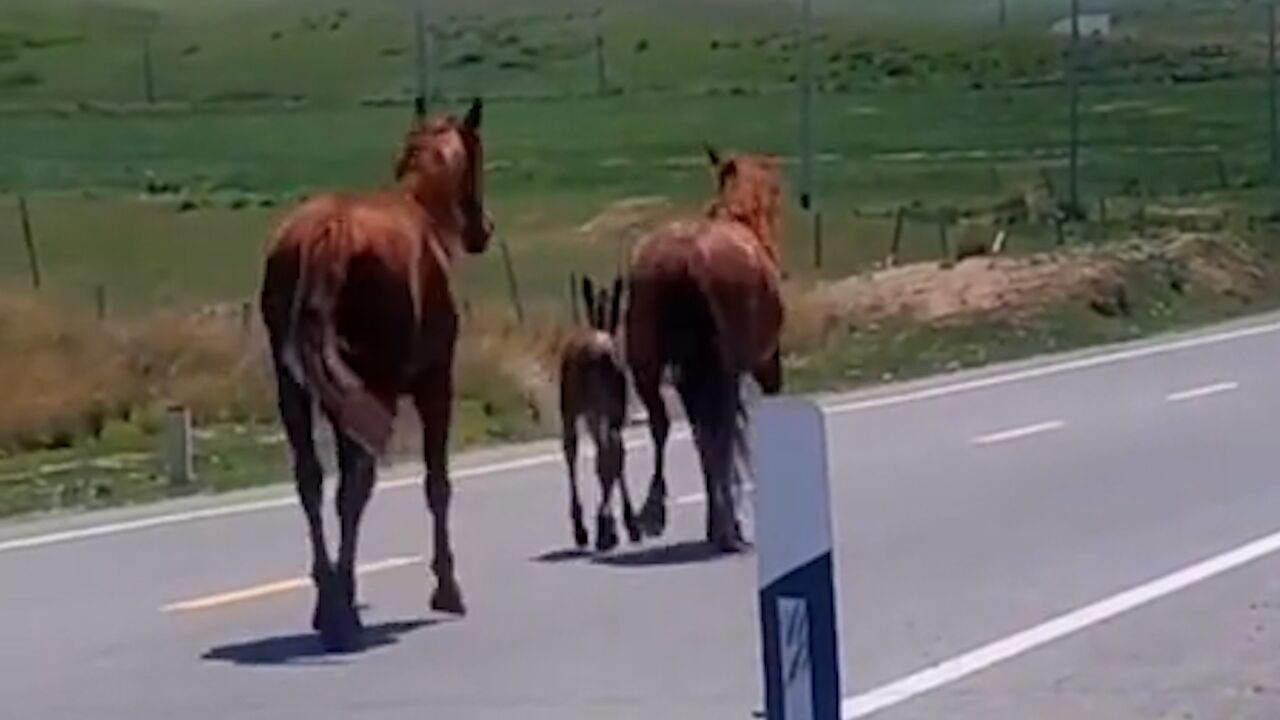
(434, 401)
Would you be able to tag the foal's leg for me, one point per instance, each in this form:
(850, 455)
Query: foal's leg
(629, 518)
(570, 437)
(296, 414)
(358, 472)
(609, 471)
(653, 516)
(434, 400)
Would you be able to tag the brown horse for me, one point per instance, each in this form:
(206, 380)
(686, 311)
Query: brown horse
(705, 303)
(593, 391)
(357, 303)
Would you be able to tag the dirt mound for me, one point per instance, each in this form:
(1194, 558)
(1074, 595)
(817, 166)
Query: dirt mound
(1012, 287)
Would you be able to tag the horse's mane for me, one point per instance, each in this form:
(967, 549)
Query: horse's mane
(421, 136)
(749, 196)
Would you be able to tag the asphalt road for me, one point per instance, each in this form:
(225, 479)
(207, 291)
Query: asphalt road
(1029, 541)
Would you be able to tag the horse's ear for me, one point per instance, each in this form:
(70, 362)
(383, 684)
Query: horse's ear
(615, 311)
(713, 155)
(589, 299)
(475, 115)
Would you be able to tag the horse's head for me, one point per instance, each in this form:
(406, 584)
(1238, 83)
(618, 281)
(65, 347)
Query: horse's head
(749, 188)
(604, 307)
(442, 165)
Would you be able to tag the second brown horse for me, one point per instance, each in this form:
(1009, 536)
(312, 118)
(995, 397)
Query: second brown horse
(705, 304)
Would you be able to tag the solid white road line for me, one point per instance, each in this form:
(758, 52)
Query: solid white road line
(281, 586)
(970, 663)
(834, 408)
(1019, 433)
(1203, 392)
(1042, 371)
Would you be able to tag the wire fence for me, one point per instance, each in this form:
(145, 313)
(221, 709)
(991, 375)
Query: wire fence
(1037, 122)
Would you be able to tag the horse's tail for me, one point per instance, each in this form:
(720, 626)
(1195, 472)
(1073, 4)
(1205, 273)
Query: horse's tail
(706, 374)
(313, 350)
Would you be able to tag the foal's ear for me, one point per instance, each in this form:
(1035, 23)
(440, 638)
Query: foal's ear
(589, 299)
(475, 115)
(615, 311)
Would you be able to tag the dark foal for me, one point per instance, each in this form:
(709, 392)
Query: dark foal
(593, 392)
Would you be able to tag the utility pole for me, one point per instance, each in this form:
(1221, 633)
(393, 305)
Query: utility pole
(1004, 14)
(807, 183)
(421, 59)
(148, 73)
(1272, 90)
(1073, 91)
(806, 105)
(602, 71)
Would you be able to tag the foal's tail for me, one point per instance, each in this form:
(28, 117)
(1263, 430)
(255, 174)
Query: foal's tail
(313, 349)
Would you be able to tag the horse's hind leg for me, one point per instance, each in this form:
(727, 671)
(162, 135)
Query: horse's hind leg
(434, 400)
(358, 472)
(296, 414)
(653, 516)
(570, 438)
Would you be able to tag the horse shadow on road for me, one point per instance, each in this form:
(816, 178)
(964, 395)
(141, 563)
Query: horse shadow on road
(305, 649)
(690, 552)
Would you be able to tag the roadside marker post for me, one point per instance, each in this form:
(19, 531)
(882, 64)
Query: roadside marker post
(795, 561)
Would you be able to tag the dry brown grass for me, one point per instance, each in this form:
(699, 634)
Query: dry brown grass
(68, 375)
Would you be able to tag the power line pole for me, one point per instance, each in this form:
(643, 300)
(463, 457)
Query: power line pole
(148, 73)
(1004, 14)
(421, 59)
(602, 72)
(806, 106)
(1272, 90)
(1073, 91)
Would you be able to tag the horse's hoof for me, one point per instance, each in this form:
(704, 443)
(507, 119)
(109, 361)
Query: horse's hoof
(653, 518)
(343, 633)
(580, 536)
(448, 599)
(728, 541)
(633, 530)
(606, 534)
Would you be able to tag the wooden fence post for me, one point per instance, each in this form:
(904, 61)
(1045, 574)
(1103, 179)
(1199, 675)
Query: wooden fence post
(512, 285)
(895, 246)
(179, 461)
(943, 240)
(817, 240)
(28, 237)
(100, 301)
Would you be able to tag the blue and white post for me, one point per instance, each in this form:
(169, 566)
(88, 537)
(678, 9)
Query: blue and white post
(793, 545)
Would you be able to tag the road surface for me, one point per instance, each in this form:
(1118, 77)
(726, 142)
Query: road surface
(1084, 536)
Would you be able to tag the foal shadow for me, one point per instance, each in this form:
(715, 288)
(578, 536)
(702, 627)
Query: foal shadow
(689, 552)
(305, 649)
(556, 557)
